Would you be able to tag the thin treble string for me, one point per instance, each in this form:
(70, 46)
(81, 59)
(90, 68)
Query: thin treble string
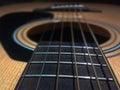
(27, 67)
(59, 55)
(43, 66)
(54, 27)
(94, 38)
(72, 65)
(73, 44)
(38, 83)
(77, 16)
(86, 44)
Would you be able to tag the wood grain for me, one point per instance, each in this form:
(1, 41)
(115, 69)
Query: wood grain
(11, 70)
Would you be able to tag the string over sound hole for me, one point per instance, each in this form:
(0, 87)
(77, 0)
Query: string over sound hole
(101, 34)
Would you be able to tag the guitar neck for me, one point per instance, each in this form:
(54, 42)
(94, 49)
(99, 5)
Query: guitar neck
(65, 65)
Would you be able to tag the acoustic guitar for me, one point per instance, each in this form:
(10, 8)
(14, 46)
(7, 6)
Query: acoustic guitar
(63, 46)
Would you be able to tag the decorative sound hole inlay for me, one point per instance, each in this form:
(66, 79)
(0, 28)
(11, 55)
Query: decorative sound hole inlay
(28, 35)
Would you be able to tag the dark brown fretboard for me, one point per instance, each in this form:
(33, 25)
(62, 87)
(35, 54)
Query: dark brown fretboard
(63, 61)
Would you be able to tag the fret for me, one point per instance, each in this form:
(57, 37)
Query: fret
(64, 83)
(69, 53)
(67, 57)
(66, 46)
(65, 68)
(65, 76)
(69, 49)
(63, 62)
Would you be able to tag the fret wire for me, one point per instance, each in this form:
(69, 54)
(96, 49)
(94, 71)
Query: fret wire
(38, 83)
(67, 53)
(85, 42)
(28, 65)
(59, 57)
(66, 76)
(67, 46)
(65, 62)
(73, 44)
(94, 38)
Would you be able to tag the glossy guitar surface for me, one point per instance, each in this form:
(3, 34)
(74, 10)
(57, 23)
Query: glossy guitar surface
(16, 45)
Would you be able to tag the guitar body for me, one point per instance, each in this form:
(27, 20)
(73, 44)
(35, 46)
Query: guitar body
(11, 68)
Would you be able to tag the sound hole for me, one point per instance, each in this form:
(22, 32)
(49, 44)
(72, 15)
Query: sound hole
(101, 34)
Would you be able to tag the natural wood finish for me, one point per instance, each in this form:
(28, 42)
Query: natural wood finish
(11, 70)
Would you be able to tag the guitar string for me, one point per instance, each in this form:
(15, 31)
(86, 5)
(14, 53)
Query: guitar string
(50, 41)
(86, 44)
(77, 16)
(63, 14)
(83, 37)
(102, 69)
(59, 51)
(56, 86)
(72, 59)
(73, 49)
(27, 67)
(72, 64)
(62, 27)
(58, 61)
(94, 38)
(87, 65)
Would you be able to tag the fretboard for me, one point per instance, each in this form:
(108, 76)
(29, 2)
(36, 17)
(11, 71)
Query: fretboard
(67, 59)
(42, 72)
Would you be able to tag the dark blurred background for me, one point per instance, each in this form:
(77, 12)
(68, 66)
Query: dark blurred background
(5, 2)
